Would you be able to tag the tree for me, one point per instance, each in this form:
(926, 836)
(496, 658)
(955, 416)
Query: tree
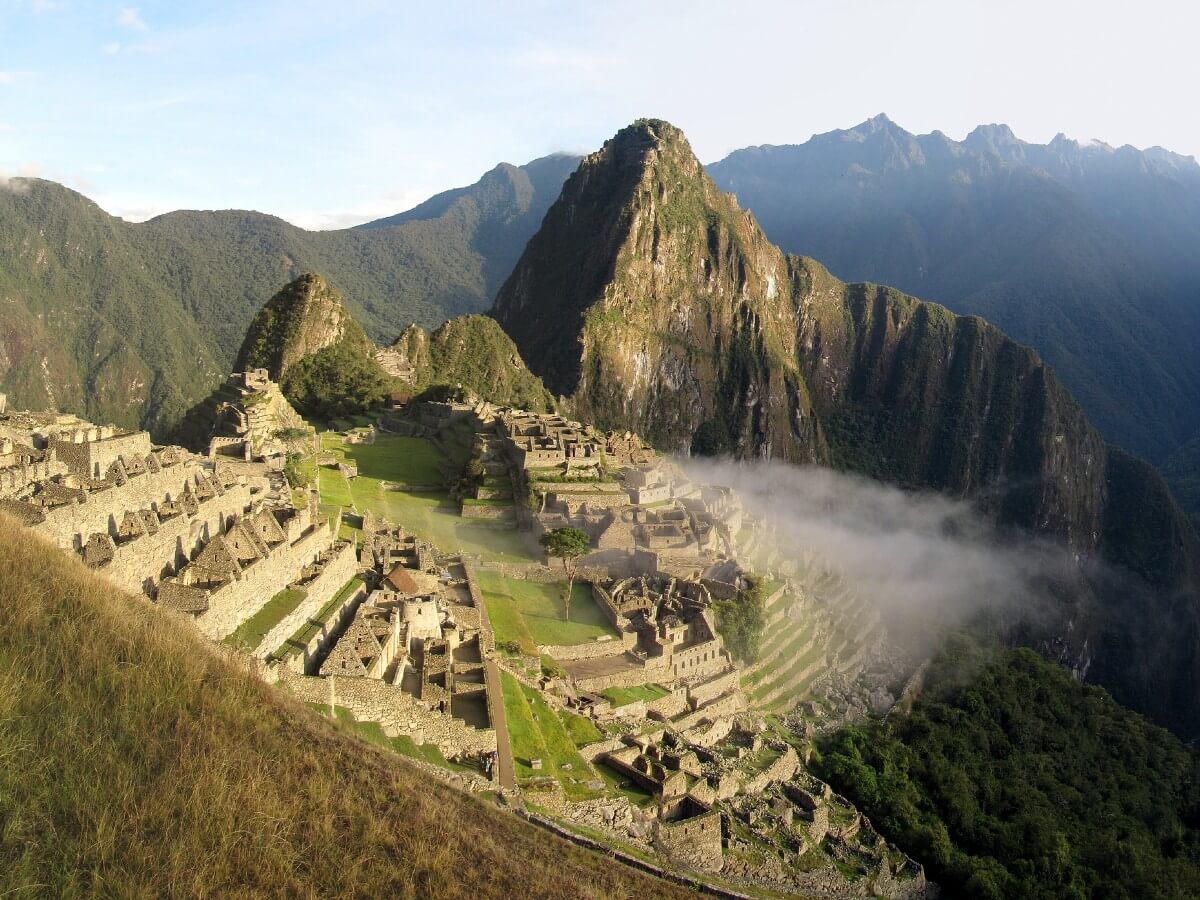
(567, 544)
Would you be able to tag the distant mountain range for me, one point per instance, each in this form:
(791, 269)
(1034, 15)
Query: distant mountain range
(1085, 252)
(135, 323)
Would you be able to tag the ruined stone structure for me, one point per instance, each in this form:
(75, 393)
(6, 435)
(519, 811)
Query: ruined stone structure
(537, 441)
(238, 571)
(250, 412)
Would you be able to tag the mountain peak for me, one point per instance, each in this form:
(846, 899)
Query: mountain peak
(304, 317)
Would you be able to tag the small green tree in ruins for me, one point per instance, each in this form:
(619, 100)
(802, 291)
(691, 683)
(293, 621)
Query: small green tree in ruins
(568, 544)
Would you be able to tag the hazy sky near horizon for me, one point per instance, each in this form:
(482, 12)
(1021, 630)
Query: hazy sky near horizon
(330, 114)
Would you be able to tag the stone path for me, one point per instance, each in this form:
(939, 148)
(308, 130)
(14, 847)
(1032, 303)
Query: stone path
(505, 768)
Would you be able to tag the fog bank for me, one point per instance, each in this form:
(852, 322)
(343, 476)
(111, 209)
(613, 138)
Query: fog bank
(919, 557)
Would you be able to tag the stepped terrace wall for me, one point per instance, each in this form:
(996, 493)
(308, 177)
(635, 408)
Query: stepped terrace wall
(335, 573)
(16, 478)
(233, 603)
(71, 524)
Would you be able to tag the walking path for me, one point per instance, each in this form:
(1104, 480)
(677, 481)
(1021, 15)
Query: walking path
(505, 768)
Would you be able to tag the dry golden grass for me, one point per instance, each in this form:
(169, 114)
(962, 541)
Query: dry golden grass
(136, 762)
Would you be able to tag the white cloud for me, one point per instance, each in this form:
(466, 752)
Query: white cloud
(130, 18)
(112, 48)
(43, 6)
(388, 205)
(9, 76)
(922, 559)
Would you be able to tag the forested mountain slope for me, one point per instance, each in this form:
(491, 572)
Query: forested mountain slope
(133, 323)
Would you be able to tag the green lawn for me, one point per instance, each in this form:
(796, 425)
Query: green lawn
(251, 632)
(532, 614)
(580, 730)
(432, 516)
(404, 460)
(620, 696)
(536, 732)
(335, 491)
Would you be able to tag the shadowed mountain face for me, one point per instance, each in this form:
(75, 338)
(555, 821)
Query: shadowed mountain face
(1084, 252)
(648, 300)
(134, 323)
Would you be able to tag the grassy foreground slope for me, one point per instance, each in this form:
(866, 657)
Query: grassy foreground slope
(139, 763)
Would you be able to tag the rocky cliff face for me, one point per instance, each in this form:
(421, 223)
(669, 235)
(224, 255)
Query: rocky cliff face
(305, 317)
(648, 300)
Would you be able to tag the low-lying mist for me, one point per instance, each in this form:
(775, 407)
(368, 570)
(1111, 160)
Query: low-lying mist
(924, 560)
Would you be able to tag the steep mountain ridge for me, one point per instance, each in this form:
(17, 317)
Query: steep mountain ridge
(134, 323)
(650, 301)
(1083, 251)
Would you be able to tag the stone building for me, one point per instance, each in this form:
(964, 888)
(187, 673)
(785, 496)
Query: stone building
(536, 441)
(238, 570)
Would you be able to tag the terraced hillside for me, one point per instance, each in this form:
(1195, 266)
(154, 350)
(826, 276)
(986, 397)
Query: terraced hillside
(814, 626)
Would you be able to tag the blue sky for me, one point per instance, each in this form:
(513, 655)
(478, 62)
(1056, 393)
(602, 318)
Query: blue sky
(333, 113)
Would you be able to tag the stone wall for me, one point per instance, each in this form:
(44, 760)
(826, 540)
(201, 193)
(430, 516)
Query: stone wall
(780, 770)
(487, 640)
(72, 524)
(139, 564)
(655, 669)
(372, 700)
(233, 603)
(669, 705)
(304, 661)
(702, 692)
(695, 841)
(594, 650)
(710, 734)
(698, 661)
(487, 512)
(92, 458)
(723, 706)
(334, 576)
(14, 479)
(593, 752)
(546, 574)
